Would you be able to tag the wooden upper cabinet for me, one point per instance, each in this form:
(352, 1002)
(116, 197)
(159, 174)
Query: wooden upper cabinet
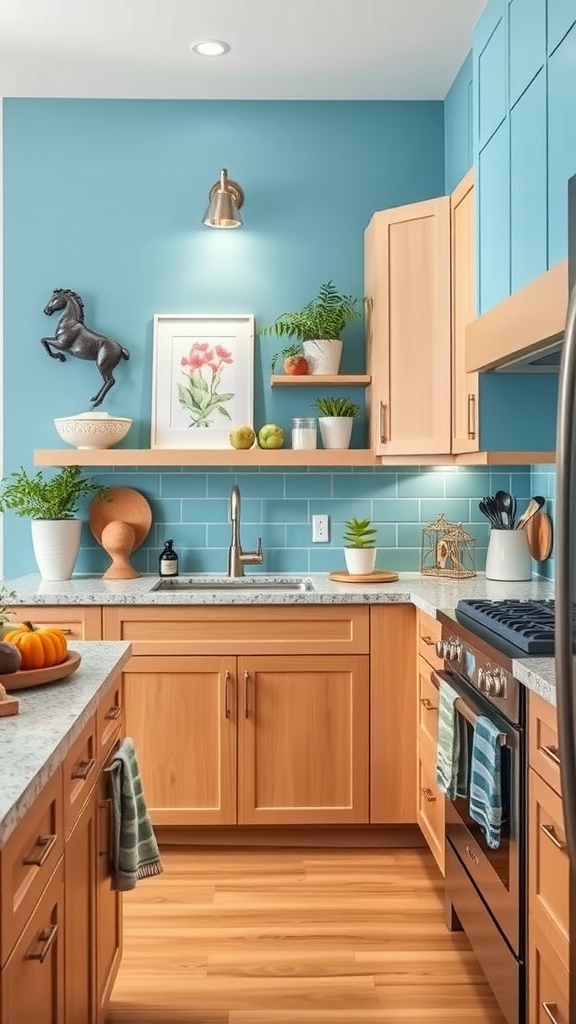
(464, 385)
(407, 261)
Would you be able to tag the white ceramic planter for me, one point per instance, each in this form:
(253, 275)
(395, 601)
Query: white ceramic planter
(336, 431)
(508, 556)
(360, 561)
(323, 356)
(56, 543)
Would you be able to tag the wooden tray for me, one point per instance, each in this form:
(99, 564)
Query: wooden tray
(24, 678)
(539, 536)
(370, 577)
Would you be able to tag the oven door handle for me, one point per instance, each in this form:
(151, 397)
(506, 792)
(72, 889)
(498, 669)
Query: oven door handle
(460, 704)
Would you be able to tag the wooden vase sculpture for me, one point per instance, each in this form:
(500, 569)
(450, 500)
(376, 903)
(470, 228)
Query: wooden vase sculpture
(120, 524)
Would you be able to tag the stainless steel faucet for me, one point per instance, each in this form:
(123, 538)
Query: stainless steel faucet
(237, 558)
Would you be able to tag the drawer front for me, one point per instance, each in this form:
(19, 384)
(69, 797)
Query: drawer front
(75, 623)
(110, 719)
(277, 629)
(427, 705)
(548, 866)
(543, 741)
(80, 771)
(27, 860)
(548, 980)
(430, 812)
(429, 631)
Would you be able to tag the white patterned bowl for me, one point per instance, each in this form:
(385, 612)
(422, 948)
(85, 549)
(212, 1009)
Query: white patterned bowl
(92, 429)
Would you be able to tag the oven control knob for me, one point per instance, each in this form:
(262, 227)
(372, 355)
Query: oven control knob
(452, 650)
(481, 679)
(490, 683)
(440, 644)
(498, 683)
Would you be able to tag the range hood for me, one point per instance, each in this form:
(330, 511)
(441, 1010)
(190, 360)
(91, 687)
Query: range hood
(524, 333)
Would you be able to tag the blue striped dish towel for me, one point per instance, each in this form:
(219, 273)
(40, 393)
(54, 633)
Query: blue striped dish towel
(452, 752)
(486, 780)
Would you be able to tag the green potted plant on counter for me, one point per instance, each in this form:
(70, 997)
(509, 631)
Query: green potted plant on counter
(317, 327)
(359, 546)
(51, 504)
(336, 420)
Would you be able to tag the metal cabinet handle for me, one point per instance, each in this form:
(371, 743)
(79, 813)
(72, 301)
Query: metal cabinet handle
(114, 712)
(427, 640)
(552, 754)
(428, 794)
(246, 694)
(47, 936)
(383, 422)
(106, 805)
(549, 831)
(549, 1010)
(428, 704)
(472, 417)
(45, 843)
(83, 768)
(228, 702)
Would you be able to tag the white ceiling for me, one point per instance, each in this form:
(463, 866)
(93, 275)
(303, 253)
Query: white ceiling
(281, 49)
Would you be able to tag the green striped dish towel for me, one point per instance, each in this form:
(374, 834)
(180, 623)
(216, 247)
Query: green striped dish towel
(452, 752)
(486, 780)
(135, 851)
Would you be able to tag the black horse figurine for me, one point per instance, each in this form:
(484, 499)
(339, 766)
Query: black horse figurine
(74, 337)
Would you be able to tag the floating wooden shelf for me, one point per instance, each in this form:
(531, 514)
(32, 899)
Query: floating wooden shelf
(203, 457)
(317, 380)
(505, 458)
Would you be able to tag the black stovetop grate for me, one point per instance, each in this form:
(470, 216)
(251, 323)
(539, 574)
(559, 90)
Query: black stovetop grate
(529, 625)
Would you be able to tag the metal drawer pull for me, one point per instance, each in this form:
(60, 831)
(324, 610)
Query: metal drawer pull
(548, 831)
(83, 768)
(549, 1010)
(383, 419)
(45, 843)
(428, 704)
(427, 640)
(114, 712)
(471, 417)
(106, 805)
(228, 702)
(48, 937)
(428, 795)
(552, 754)
(246, 701)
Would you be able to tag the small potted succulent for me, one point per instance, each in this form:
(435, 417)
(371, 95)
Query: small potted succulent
(336, 420)
(317, 328)
(359, 546)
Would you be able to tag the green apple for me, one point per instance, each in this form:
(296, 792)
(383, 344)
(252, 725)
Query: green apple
(270, 436)
(242, 437)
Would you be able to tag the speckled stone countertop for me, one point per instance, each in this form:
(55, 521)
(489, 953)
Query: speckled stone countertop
(34, 742)
(429, 593)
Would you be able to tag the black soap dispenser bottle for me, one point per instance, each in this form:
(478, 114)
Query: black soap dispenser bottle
(168, 560)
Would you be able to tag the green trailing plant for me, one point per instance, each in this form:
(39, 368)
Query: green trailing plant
(324, 317)
(36, 497)
(359, 533)
(336, 407)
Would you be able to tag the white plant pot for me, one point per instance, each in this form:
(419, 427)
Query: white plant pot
(336, 431)
(56, 543)
(324, 355)
(360, 561)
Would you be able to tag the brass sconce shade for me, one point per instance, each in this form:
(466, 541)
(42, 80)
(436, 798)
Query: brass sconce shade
(225, 199)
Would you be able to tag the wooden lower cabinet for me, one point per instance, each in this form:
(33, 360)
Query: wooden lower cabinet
(80, 920)
(77, 622)
(108, 946)
(267, 740)
(431, 803)
(548, 980)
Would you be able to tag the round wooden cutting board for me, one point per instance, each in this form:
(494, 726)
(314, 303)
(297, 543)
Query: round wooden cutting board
(539, 536)
(370, 577)
(125, 505)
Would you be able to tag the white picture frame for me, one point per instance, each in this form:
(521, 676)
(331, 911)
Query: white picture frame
(202, 379)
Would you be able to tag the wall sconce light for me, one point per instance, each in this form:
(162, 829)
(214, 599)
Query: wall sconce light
(225, 199)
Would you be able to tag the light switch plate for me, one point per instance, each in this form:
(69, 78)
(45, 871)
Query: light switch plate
(320, 529)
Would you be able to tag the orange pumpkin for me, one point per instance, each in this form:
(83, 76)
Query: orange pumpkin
(40, 647)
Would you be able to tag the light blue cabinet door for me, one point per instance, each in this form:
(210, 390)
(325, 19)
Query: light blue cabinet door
(490, 70)
(528, 193)
(526, 43)
(494, 220)
(561, 16)
(561, 142)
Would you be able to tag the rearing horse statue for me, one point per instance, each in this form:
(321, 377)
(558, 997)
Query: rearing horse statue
(74, 337)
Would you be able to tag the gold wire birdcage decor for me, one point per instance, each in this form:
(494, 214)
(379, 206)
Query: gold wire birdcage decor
(447, 550)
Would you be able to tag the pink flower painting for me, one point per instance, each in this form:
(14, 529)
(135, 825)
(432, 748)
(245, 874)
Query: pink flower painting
(200, 394)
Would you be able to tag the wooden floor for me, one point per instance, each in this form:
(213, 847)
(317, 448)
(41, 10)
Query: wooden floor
(268, 936)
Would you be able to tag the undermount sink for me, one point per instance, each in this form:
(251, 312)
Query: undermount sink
(292, 585)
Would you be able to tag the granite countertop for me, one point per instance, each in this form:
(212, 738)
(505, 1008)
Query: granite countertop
(34, 742)
(429, 593)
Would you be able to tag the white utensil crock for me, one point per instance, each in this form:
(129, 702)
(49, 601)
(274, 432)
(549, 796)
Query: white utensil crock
(56, 543)
(508, 556)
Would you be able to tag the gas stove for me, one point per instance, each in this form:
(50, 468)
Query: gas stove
(527, 625)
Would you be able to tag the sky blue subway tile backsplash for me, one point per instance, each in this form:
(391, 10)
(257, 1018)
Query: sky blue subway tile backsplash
(192, 507)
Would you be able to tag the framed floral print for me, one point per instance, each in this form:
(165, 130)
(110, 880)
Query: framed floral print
(202, 379)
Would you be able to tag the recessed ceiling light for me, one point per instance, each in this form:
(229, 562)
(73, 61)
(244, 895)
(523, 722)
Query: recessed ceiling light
(210, 47)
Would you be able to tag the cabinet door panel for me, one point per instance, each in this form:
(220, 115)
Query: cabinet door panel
(561, 143)
(529, 243)
(181, 713)
(80, 882)
(463, 265)
(561, 17)
(108, 902)
(527, 43)
(303, 740)
(494, 220)
(490, 69)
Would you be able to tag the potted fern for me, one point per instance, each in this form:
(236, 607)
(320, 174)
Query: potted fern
(359, 546)
(336, 420)
(51, 505)
(317, 329)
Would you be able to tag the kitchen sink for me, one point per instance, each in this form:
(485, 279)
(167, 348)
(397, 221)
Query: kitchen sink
(291, 585)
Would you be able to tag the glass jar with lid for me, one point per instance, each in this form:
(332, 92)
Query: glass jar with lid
(304, 432)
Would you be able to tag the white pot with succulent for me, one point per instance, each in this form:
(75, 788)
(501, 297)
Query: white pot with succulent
(315, 332)
(359, 546)
(336, 420)
(51, 505)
